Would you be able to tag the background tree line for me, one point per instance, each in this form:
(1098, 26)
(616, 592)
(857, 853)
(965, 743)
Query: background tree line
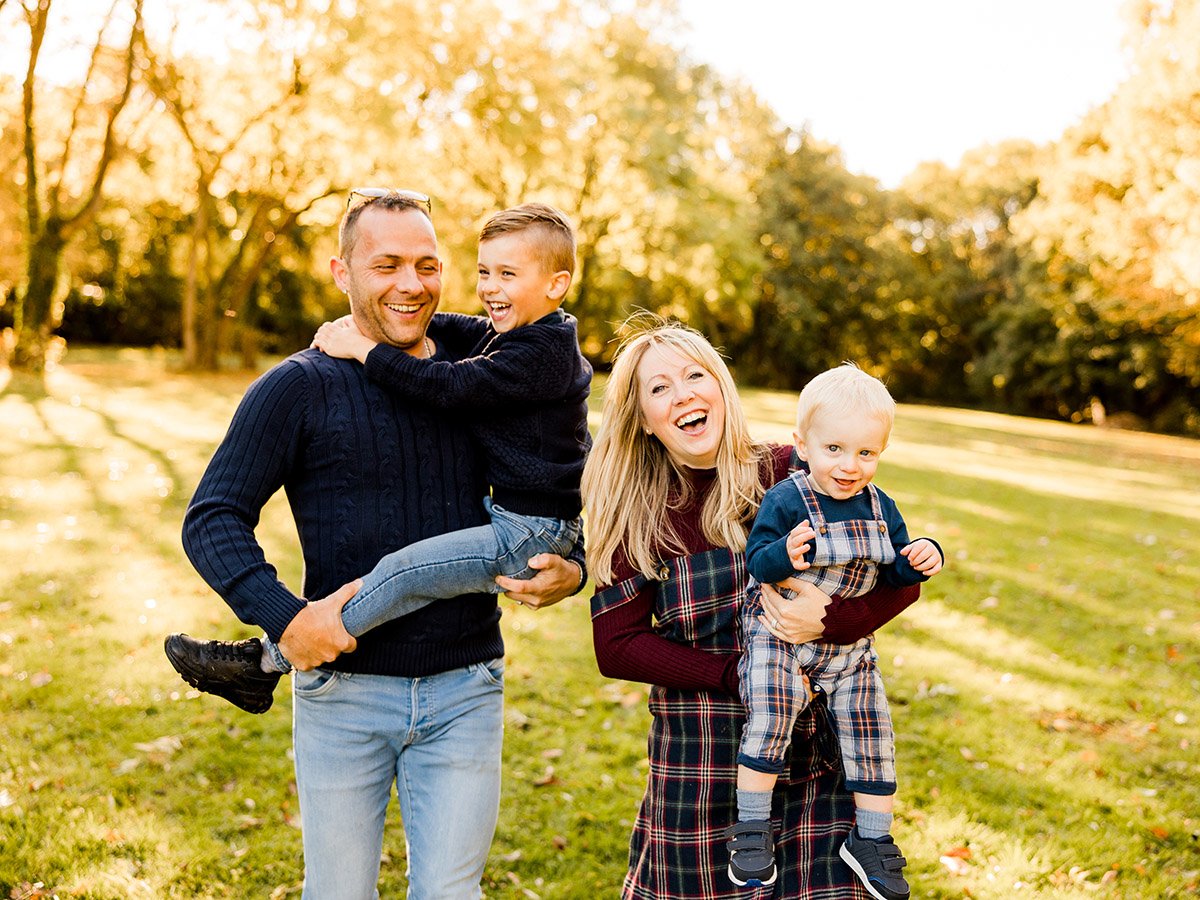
(172, 176)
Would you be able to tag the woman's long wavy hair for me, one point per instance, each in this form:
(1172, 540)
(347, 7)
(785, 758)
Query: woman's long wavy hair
(630, 481)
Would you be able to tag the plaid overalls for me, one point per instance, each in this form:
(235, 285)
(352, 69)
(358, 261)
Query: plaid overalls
(776, 676)
(677, 850)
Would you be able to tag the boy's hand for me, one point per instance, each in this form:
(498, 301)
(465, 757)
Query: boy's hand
(798, 544)
(923, 556)
(341, 338)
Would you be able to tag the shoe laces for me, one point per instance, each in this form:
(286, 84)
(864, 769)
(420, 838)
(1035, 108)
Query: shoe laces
(232, 651)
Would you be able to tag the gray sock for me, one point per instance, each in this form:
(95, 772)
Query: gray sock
(871, 824)
(753, 805)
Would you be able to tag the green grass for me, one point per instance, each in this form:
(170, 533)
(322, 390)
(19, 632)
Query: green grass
(1044, 689)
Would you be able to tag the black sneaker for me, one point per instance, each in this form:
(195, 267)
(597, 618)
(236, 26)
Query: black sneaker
(877, 863)
(751, 853)
(229, 669)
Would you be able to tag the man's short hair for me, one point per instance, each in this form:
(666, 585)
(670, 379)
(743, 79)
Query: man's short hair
(393, 202)
(845, 390)
(549, 233)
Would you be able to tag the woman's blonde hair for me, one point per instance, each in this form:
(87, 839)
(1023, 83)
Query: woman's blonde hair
(630, 481)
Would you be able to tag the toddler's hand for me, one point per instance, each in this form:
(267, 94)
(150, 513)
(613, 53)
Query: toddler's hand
(923, 556)
(342, 338)
(798, 544)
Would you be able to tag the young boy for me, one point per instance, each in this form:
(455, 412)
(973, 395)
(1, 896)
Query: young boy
(524, 384)
(832, 527)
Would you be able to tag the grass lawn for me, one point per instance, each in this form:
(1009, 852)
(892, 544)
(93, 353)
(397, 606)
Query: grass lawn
(1044, 689)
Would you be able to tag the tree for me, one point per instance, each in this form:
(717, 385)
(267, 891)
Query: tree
(62, 194)
(956, 222)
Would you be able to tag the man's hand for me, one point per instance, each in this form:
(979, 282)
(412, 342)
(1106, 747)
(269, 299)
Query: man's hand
(798, 543)
(316, 635)
(795, 621)
(557, 579)
(923, 556)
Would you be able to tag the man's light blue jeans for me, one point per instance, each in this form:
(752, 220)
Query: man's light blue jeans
(438, 738)
(450, 565)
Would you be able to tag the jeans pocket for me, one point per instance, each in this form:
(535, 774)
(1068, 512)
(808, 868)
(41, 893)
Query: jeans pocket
(314, 683)
(491, 671)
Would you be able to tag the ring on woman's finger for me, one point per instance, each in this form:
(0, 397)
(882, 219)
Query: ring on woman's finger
(774, 622)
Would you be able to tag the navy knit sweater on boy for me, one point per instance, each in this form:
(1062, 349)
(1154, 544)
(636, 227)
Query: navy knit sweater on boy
(365, 472)
(525, 394)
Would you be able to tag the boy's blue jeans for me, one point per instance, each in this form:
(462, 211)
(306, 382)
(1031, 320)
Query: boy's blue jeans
(449, 565)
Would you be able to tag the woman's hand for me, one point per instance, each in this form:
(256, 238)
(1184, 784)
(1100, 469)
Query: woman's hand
(795, 621)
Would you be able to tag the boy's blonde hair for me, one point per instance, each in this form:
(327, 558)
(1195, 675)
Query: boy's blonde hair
(548, 230)
(630, 480)
(845, 391)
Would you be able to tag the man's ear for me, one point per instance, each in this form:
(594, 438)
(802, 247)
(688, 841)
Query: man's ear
(337, 266)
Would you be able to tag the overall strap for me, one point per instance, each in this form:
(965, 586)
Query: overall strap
(876, 507)
(816, 516)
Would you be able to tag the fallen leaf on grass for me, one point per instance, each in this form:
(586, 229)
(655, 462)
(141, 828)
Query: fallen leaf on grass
(559, 842)
(959, 852)
(954, 865)
(546, 778)
(27, 891)
(167, 745)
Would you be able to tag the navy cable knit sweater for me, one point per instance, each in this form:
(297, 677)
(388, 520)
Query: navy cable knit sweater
(365, 472)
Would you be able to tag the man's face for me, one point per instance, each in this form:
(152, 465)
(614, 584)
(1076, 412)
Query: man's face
(392, 276)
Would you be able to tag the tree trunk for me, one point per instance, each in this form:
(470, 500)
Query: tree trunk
(34, 313)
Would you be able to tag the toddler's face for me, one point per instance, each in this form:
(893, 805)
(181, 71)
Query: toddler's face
(842, 452)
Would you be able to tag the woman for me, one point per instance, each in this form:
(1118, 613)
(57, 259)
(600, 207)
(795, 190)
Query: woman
(671, 488)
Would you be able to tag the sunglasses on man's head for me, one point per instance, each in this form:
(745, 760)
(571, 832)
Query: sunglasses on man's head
(367, 194)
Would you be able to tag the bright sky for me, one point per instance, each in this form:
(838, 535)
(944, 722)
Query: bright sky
(897, 82)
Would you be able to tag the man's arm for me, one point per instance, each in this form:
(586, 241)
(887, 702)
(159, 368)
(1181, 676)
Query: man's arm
(248, 467)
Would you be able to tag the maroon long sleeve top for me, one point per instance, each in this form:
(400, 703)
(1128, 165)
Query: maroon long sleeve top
(628, 647)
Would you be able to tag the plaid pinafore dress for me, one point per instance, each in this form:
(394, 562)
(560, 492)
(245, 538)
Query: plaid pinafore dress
(677, 850)
(778, 679)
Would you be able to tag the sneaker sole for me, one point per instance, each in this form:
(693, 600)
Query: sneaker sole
(753, 882)
(854, 864)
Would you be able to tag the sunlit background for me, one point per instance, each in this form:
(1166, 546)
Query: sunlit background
(991, 205)
(995, 206)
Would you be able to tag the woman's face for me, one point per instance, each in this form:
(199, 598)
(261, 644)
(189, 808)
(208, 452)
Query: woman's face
(682, 406)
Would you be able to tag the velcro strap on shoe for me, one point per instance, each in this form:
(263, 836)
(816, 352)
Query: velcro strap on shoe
(893, 863)
(748, 836)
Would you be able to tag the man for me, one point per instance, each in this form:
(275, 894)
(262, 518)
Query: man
(419, 701)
